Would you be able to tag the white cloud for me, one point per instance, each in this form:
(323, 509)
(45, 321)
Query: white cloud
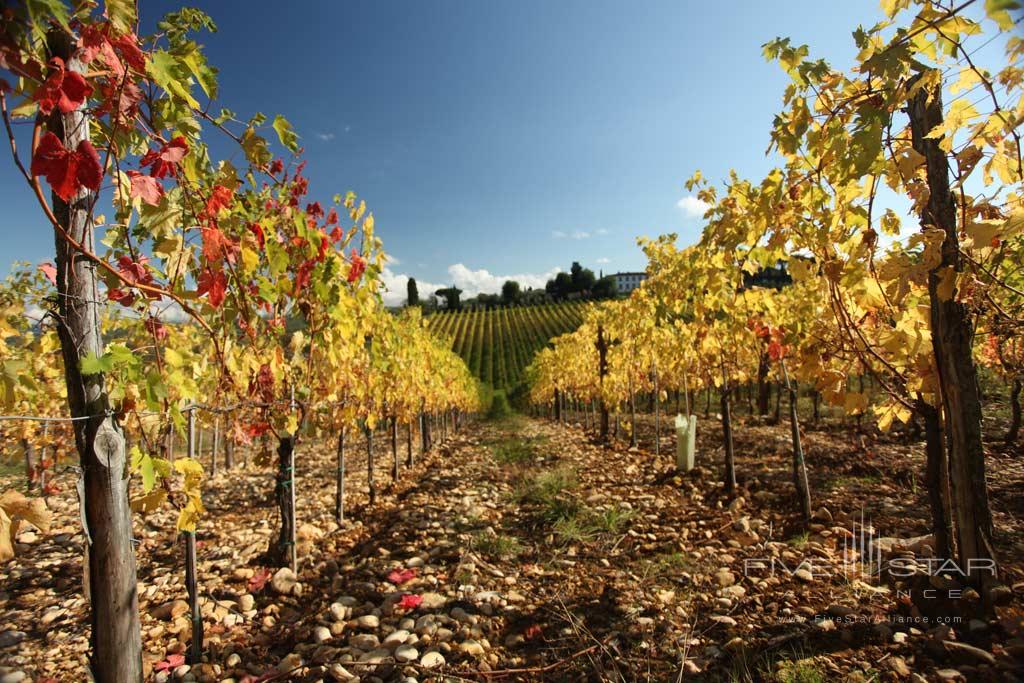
(603, 260)
(602, 231)
(471, 282)
(474, 282)
(391, 260)
(576, 235)
(693, 207)
(326, 137)
(396, 284)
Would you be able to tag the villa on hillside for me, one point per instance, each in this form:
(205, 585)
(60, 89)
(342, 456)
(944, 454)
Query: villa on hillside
(627, 282)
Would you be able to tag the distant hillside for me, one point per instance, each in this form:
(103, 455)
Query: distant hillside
(497, 345)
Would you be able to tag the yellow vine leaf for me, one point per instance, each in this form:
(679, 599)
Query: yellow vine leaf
(15, 508)
(947, 283)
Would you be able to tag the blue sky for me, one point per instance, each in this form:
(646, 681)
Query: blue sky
(505, 138)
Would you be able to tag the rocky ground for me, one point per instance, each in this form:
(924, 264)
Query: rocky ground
(520, 551)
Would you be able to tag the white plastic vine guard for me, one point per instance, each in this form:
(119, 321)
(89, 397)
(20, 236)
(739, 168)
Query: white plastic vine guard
(686, 442)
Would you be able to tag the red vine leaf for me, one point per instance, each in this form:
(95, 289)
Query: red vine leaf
(217, 246)
(50, 271)
(62, 89)
(259, 580)
(409, 601)
(172, 662)
(400, 576)
(220, 198)
(156, 328)
(66, 171)
(213, 284)
(146, 187)
(125, 97)
(256, 230)
(164, 162)
(357, 267)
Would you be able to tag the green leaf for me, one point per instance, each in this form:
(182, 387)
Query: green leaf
(120, 354)
(285, 133)
(255, 146)
(148, 474)
(122, 15)
(146, 467)
(93, 365)
(205, 74)
(42, 12)
(166, 71)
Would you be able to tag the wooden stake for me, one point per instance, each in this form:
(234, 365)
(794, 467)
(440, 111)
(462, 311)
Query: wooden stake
(195, 650)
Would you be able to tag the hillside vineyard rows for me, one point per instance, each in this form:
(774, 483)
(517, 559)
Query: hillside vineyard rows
(498, 344)
(791, 454)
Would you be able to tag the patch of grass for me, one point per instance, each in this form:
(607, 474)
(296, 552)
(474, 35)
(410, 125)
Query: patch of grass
(670, 566)
(573, 529)
(800, 540)
(500, 408)
(543, 487)
(497, 545)
(612, 520)
(584, 524)
(800, 671)
(550, 492)
(864, 480)
(464, 576)
(676, 562)
(513, 451)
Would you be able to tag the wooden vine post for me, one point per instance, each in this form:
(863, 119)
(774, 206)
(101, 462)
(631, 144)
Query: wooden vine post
(115, 634)
(366, 426)
(195, 650)
(408, 445)
(602, 371)
(394, 448)
(282, 549)
(292, 546)
(216, 446)
(657, 413)
(730, 458)
(339, 483)
(803, 489)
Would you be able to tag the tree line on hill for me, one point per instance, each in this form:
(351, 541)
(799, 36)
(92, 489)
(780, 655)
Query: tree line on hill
(578, 283)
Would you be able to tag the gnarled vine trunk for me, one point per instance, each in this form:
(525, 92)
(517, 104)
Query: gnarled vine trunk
(1015, 417)
(952, 344)
(937, 479)
(730, 462)
(280, 551)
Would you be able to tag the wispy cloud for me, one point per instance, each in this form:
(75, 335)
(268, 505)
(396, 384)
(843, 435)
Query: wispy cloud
(326, 137)
(576, 234)
(601, 231)
(692, 207)
(604, 260)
